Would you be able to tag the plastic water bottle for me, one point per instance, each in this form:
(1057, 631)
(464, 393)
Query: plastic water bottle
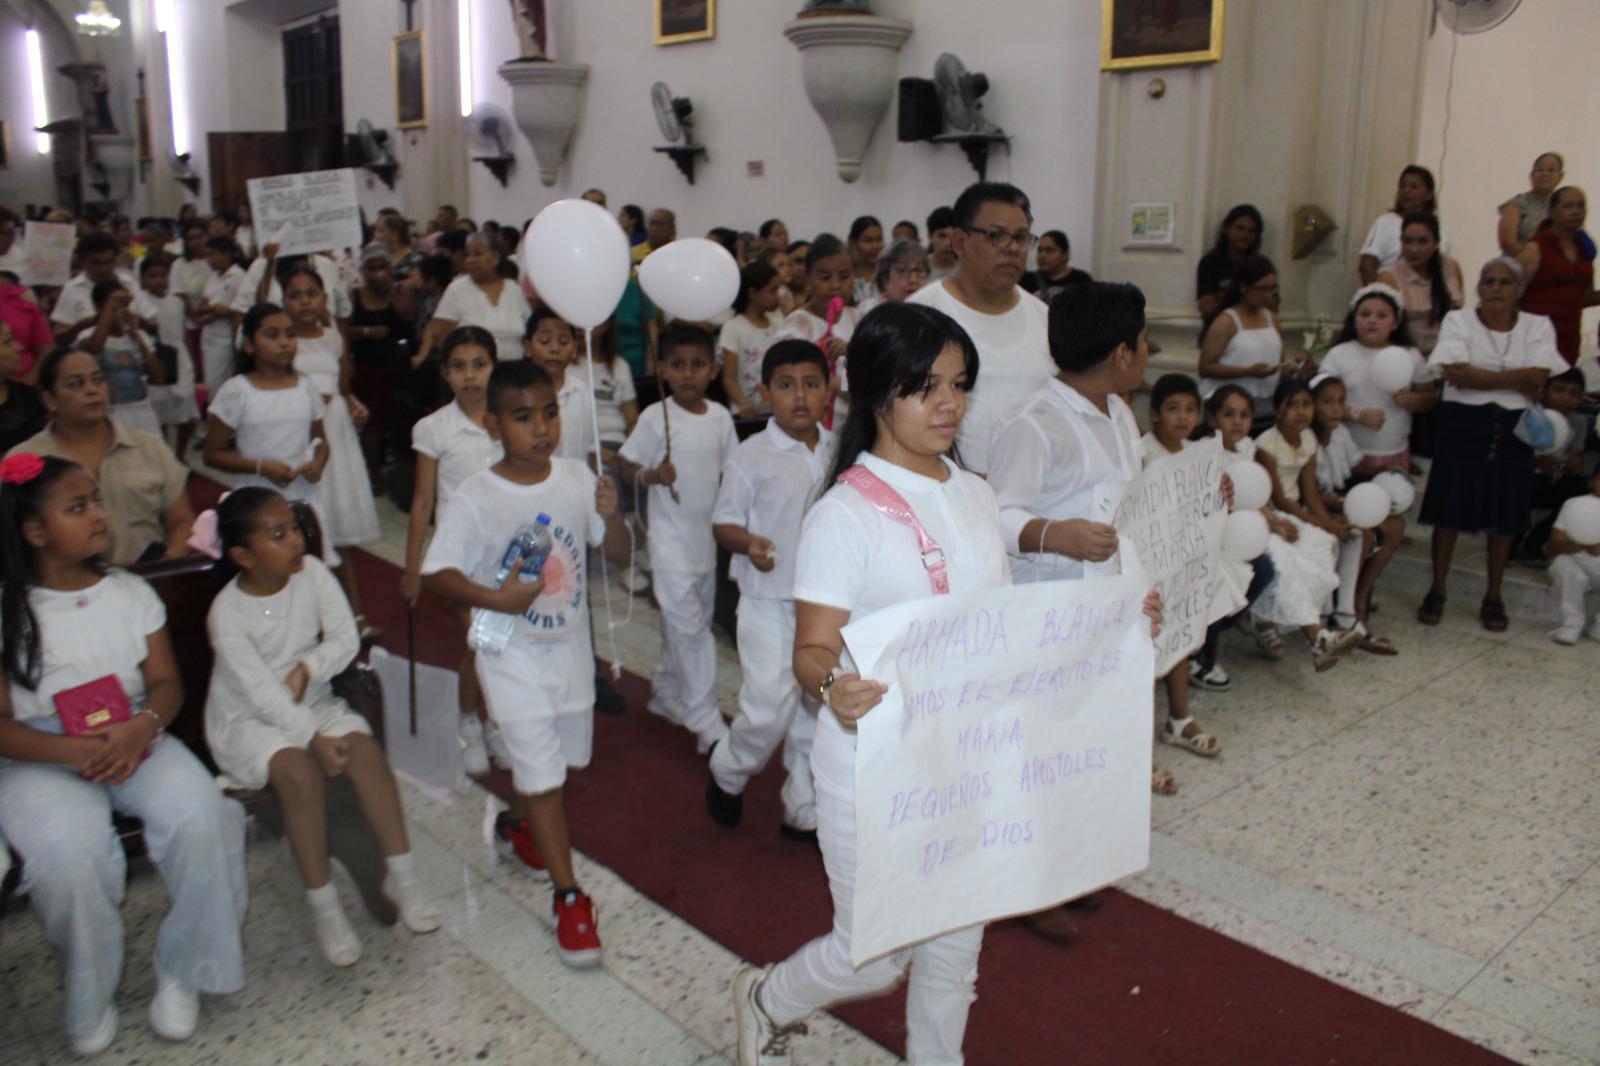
(492, 630)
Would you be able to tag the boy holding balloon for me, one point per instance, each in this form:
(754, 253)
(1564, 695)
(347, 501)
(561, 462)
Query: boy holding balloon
(1575, 562)
(679, 448)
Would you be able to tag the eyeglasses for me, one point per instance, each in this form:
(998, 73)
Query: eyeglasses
(1003, 239)
(903, 271)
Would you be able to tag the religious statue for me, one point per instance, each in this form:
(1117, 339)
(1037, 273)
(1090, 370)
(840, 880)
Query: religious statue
(819, 7)
(532, 27)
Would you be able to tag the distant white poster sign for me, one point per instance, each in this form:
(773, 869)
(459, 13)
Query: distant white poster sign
(310, 212)
(1154, 225)
(47, 253)
(1008, 767)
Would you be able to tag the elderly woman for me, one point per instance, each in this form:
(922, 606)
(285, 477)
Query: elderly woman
(902, 269)
(1494, 361)
(1520, 216)
(1560, 273)
(141, 481)
(394, 233)
(480, 297)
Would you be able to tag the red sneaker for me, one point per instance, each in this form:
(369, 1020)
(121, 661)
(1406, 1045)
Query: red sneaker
(512, 840)
(577, 936)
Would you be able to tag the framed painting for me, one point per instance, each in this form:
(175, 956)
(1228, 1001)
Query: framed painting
(1159, 33)
(410, 83)
(677, 21)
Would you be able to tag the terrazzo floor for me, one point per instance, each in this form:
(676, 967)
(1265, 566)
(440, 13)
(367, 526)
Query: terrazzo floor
(1423, 829)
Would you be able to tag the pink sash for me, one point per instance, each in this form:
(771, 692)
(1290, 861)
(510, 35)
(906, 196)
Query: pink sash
(891, 504)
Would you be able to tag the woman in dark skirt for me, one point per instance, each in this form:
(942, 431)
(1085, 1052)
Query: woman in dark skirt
(1493, 361)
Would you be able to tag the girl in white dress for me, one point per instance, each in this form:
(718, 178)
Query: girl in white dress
(321, 355)
(829, 276)
(1289, 452)
(282, 632)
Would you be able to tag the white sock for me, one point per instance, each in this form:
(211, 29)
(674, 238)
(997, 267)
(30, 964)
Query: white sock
(401, 866)
(324, 898)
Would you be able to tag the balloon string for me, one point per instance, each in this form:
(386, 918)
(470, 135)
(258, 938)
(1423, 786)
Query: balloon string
(605, 570)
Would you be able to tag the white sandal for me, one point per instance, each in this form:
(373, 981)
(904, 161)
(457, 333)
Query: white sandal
(1201, 743)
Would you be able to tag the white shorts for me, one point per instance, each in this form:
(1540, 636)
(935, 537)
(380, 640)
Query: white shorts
(545, 711)
(544, 746)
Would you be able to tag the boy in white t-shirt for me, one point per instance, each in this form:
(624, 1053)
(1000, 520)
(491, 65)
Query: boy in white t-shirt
(684, 428)
(540, 689)
(771, 479)
(156, 303)
(1574, 570)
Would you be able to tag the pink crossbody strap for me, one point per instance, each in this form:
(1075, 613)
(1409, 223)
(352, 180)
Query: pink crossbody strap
(890, 503)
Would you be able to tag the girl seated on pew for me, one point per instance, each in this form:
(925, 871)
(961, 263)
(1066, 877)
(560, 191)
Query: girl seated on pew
(282, 631)
(81, 639)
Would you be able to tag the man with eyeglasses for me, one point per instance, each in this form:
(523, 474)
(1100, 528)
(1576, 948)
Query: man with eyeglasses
(991, 237)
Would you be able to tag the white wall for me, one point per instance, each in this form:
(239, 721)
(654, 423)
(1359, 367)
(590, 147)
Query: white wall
(750, 105)
(31, 177)
(1520, 89)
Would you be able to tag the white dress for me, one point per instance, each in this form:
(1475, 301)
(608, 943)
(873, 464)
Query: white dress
(174, 401)
(346, 491)
(250, 713)
(1305, 569)
(217, 362)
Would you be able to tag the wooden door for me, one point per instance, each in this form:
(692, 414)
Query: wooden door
(238, 157)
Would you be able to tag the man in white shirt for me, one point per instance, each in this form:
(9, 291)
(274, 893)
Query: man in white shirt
(75, 311)
(1010, 327)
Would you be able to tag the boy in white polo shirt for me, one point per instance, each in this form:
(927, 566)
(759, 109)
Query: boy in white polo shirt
(679, 448)
(540, 688)
(766, 488)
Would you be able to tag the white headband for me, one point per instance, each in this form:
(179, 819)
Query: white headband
(1377, 288)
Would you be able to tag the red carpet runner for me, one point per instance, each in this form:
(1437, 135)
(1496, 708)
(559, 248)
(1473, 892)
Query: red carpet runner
(1140, 986)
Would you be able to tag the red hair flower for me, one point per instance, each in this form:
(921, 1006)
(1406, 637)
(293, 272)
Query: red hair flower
(21, 468)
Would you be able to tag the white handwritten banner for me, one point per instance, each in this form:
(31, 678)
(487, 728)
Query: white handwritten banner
(1173, 514)
(47, 253)
(311, 212)
(1008, 767)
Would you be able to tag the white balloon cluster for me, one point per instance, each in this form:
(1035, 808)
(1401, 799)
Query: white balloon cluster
(1245, 535)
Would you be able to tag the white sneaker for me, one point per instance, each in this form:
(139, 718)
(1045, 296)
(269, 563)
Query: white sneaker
(1567, 636)
(762, 1042)
(474, 758)
(100, 1038)
(339, 942)
(499, 754)
(175, 1011)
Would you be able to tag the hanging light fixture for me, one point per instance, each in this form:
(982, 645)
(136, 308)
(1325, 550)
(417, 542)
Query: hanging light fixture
(97, 21)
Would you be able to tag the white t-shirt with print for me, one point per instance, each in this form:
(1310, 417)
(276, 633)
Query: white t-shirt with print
(613, 387)
(749, 343)
(550, 647)
(702, 444)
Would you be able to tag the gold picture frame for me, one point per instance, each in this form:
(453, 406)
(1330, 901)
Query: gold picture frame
(1130, 39)
(681, 21)
(409, 57)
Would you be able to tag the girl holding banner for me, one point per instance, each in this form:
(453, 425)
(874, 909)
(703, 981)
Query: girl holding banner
(904, 521)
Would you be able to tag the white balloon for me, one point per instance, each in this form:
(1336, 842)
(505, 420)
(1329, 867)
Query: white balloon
(1401, 492)
(1366, 506)
(1252, 487)
(577, 258)
(1245, 535)
(1583, 520)
(1391, 369)
(1563, 432)
(693, 278)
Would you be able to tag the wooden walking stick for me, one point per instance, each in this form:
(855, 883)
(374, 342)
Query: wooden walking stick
(666, 428)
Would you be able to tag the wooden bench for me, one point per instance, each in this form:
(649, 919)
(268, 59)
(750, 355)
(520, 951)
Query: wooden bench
(187, 586)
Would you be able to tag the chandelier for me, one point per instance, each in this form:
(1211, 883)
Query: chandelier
(97, 21)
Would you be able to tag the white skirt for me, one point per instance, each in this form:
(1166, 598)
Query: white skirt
(1306, 576)
(345, 492)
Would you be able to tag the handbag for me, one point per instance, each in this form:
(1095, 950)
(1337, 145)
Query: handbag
(886, 501)
(94, 705)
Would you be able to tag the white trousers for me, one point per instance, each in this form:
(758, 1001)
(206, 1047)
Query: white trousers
(74, 871)
(943, 970)
(771, 712)
(1572, 576)
(683, 688)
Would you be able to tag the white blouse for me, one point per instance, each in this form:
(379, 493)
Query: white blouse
(1463, 338)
